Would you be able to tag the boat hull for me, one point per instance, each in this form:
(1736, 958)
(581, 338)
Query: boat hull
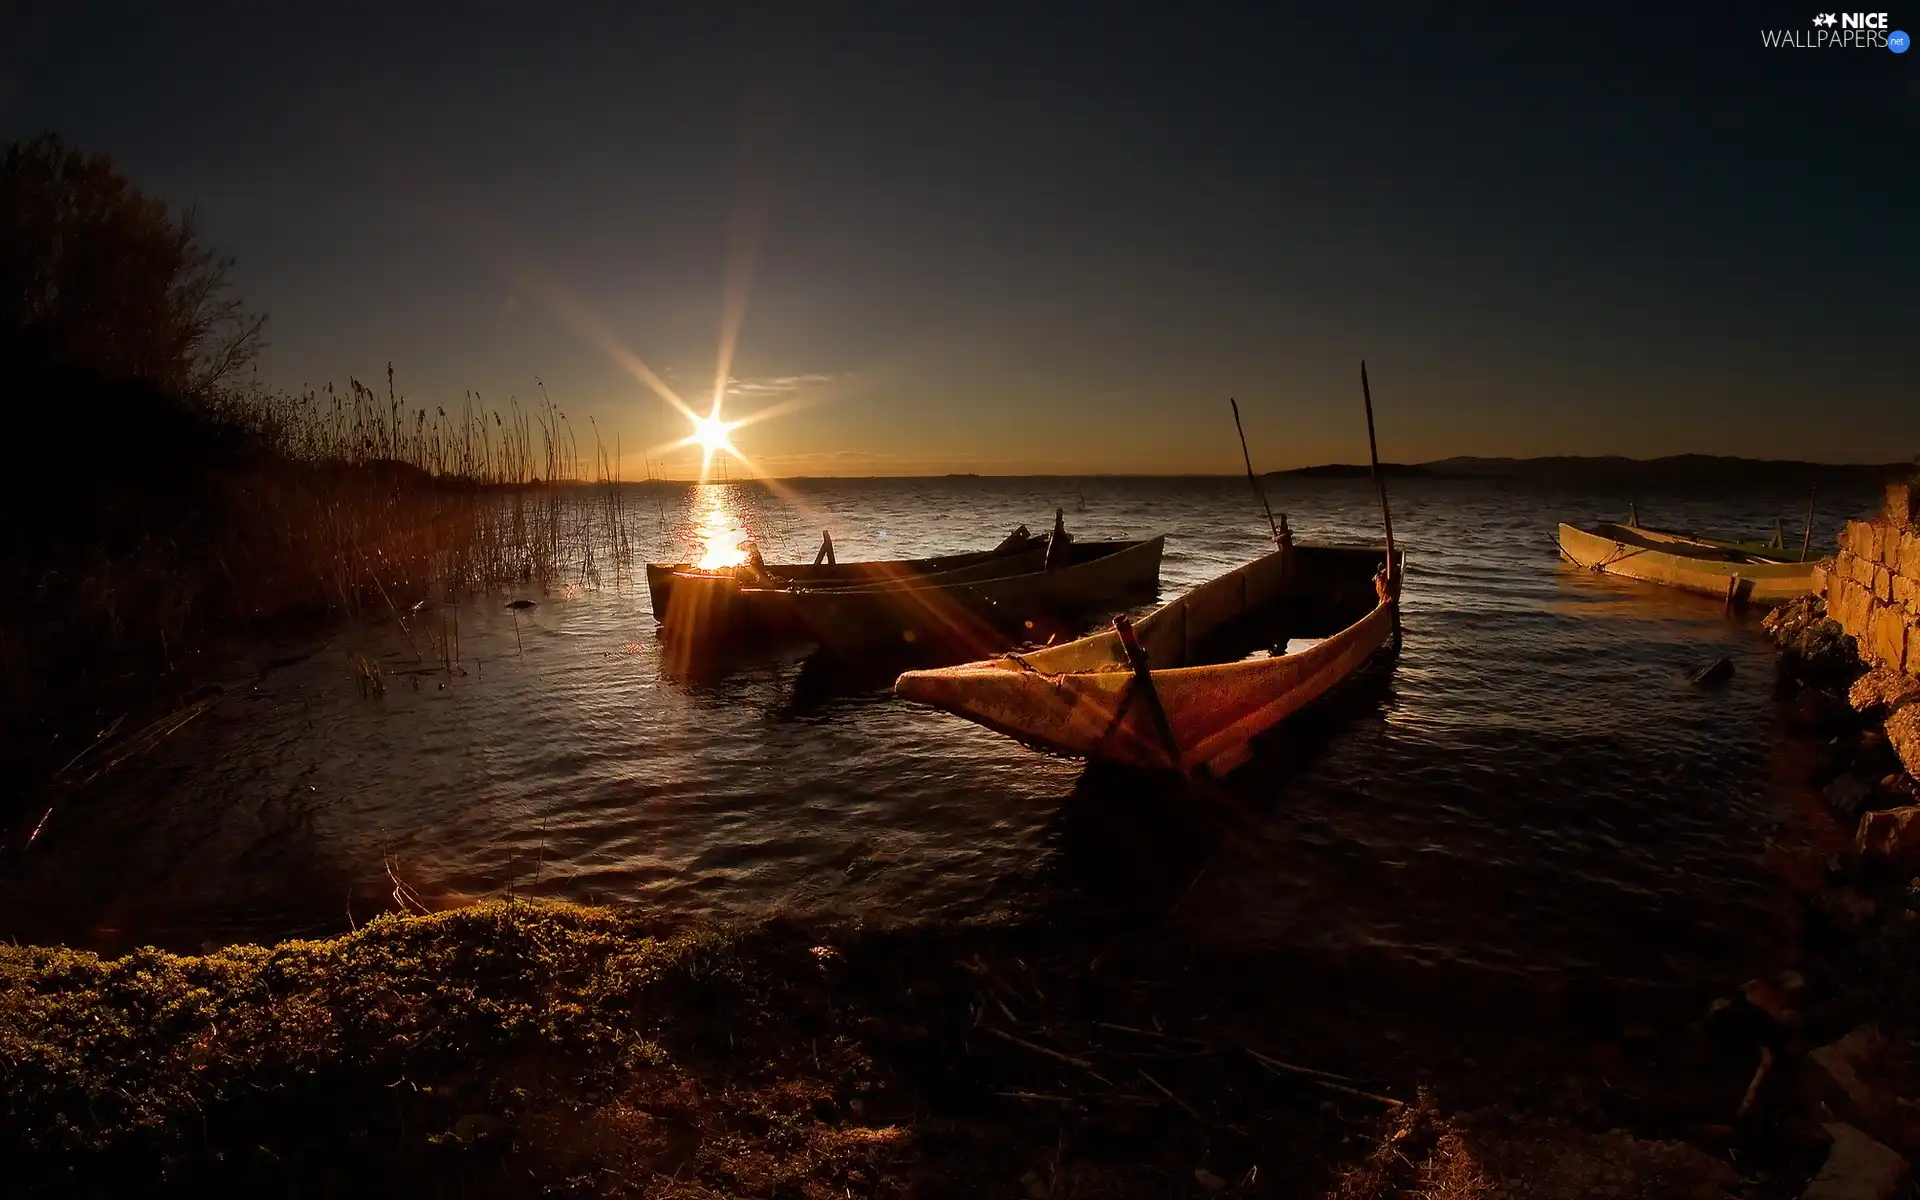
(954, 617)
(1084, 699)
(1691, 565)
(664, 578)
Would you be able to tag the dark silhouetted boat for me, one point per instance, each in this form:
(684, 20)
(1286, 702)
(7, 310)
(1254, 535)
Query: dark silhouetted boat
(661, 577)
(971, 610)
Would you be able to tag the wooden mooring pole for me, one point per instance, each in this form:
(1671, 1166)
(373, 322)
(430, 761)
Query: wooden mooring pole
(1255, 479)
(1380, 487)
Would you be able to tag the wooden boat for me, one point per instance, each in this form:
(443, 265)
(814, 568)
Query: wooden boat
(661, 576)
(1192, 700)
(970, 610)
(1773, 549)
(1718, 569)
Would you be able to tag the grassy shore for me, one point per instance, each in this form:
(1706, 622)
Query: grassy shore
(534, 1048)
(483, 1051)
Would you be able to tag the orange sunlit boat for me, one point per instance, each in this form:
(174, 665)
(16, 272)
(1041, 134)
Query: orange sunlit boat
(1180, 690)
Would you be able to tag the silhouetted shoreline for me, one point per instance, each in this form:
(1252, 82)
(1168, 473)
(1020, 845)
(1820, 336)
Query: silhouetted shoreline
(1585, 470)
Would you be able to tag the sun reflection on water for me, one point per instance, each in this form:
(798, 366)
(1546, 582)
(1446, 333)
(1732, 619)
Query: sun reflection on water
(722, 535)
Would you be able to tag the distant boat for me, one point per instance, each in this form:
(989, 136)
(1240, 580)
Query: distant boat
(662, 576)
(1734, 571)
(1204, 700)
(1773, 550)
(975, 609)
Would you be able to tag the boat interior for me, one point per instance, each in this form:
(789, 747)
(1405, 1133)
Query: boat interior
(1307, 594)
(1030, 560)
(1679, 543)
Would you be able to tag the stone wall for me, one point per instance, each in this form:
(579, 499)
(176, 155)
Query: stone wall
(1873, 587)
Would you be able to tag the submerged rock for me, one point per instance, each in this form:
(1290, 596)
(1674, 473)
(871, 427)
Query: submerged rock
(1773, 1001)
(1857, 1168)
(1820, 711)
(1845, 909)
(1849, 794)
(1716, 672)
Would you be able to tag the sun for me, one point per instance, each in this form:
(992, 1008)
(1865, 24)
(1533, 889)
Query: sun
(710, 434)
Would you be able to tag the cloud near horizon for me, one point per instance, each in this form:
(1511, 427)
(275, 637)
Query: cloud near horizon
(776, 385)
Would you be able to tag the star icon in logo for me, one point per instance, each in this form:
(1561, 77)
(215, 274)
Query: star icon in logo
(1826, 19)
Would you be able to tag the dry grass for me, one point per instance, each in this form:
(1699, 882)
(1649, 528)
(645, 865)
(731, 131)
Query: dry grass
(517, 1048)
(373, 502)
(1495, 1156)
(192, 521)
(471, 1052)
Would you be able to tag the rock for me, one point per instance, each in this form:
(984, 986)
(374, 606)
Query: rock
(520, 605)
(1825, 651)
(1790, 620)
(1902, 510)
(1903, 732)
(1857, 1168)
(1890, 837)
(1208, 1180)
(1771, 1001)
(1883, 689)
(1737, 1025)
(475, 1126)
(1845, 909)
(1898, 789)
(1848, 794)
(1820, 711)
(1792, 982)
(1716, 672)
(1838, 1080)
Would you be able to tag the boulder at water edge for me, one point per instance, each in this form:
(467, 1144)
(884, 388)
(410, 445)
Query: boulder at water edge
(1903, 731)
(1841, 1080)
(1890, 837)
(1857, 1168)
(1883, 689)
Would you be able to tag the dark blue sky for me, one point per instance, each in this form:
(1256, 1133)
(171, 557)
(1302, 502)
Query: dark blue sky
(995, 240)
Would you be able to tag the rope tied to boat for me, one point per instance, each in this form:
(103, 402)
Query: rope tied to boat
(1620, 552)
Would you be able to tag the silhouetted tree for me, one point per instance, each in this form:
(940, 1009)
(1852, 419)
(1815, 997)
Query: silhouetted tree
(97, 276)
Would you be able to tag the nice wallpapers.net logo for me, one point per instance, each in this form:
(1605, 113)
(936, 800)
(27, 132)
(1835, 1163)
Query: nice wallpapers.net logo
(1840, 31)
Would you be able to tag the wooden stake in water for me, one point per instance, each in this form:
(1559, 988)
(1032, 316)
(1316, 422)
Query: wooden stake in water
(1806, 539)
(1379, 484)
(1251, 477)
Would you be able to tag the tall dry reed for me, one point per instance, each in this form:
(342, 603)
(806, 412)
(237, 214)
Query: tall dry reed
(193, 521)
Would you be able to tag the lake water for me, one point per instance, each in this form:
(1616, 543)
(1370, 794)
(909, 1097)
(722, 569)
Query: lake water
(1532, 790)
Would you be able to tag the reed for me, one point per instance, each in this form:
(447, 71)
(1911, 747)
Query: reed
(369, 499)
(257, 508)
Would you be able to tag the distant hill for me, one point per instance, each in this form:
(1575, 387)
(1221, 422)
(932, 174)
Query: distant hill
(1575, 470)
(1360, 471)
